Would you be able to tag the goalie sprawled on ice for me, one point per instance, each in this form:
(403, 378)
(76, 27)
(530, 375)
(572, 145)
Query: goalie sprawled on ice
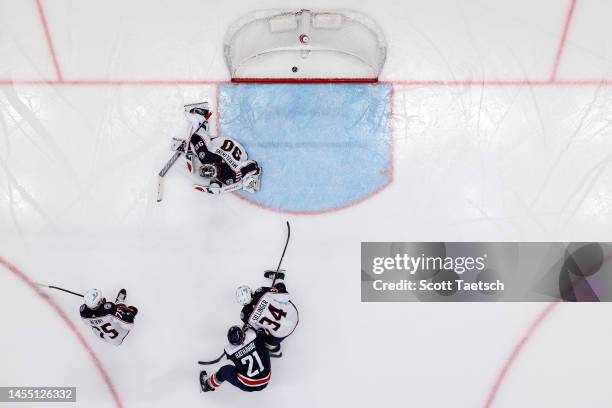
(218, 164)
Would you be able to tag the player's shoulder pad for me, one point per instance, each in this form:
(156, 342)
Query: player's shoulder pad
(109, 307)
(246, 311)
(259, 292)
(106, 309)
(279, 288)
(250, 336)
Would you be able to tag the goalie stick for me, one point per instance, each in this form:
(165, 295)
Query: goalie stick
(58, 288)
(162, 174)
(170, 163)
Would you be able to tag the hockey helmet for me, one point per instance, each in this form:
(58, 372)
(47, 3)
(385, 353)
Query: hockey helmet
(235, 335)
(244, 295)
(93, 298)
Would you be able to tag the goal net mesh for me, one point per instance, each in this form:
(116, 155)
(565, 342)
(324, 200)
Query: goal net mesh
(305, 45)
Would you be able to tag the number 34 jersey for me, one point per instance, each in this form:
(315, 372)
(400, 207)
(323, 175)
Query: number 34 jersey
(271, 310)
(109, 322)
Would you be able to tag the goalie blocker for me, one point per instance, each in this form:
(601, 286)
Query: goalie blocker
(219, 164)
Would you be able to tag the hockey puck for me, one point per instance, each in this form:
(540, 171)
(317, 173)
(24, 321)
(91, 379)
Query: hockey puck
(294, 69)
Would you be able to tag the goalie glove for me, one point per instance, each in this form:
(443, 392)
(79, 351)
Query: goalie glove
(251, 183)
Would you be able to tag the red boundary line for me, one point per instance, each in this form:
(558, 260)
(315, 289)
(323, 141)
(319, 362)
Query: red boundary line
(43, 20)
(54, 306)
(561, 48)
(433, 82)
(304, 80)
(504, 82)
(102, 82)
(518, 82)
(518, 348)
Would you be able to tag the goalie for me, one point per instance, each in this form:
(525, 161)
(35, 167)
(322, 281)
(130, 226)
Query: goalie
(219, 164)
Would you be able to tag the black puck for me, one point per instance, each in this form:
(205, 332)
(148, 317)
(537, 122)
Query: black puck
(294, 69)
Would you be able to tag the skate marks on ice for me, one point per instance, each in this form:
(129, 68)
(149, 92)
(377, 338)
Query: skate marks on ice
(322, 147)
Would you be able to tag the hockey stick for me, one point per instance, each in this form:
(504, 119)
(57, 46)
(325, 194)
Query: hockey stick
(162, 174)
(216, 360)
(170, 163)
(58, 288)
(283, 255)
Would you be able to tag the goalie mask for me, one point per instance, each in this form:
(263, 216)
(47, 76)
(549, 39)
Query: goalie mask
(209, 171)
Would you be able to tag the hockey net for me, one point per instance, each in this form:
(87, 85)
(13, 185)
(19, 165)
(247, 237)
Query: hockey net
(279, 46)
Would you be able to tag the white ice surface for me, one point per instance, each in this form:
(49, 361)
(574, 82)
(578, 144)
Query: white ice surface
(77, 207)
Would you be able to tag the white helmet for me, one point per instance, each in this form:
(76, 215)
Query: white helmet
(244, 295)
(93, 298)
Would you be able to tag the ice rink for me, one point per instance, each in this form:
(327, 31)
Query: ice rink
(493, 123)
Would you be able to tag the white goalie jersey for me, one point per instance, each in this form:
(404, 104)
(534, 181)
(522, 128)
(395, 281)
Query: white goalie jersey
(108, 323)
(218, 164)
(272, 311)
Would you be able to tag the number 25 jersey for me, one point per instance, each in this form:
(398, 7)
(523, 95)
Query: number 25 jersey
(106, 322)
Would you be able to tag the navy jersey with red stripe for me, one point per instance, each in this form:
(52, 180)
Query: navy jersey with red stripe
(251, 358)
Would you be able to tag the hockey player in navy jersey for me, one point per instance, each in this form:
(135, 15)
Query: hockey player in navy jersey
(109, 321)
(269, 308)
(250, 371)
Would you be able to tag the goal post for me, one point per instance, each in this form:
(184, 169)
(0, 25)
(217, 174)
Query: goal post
(311, 46)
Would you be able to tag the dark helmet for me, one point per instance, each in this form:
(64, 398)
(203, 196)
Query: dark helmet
(235, 335)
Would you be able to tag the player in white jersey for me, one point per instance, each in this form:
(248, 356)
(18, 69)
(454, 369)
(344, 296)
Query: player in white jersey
(218, 164)
(109, 321)
(270, 309)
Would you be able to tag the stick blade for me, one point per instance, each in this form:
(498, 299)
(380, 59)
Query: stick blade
(160, 188)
